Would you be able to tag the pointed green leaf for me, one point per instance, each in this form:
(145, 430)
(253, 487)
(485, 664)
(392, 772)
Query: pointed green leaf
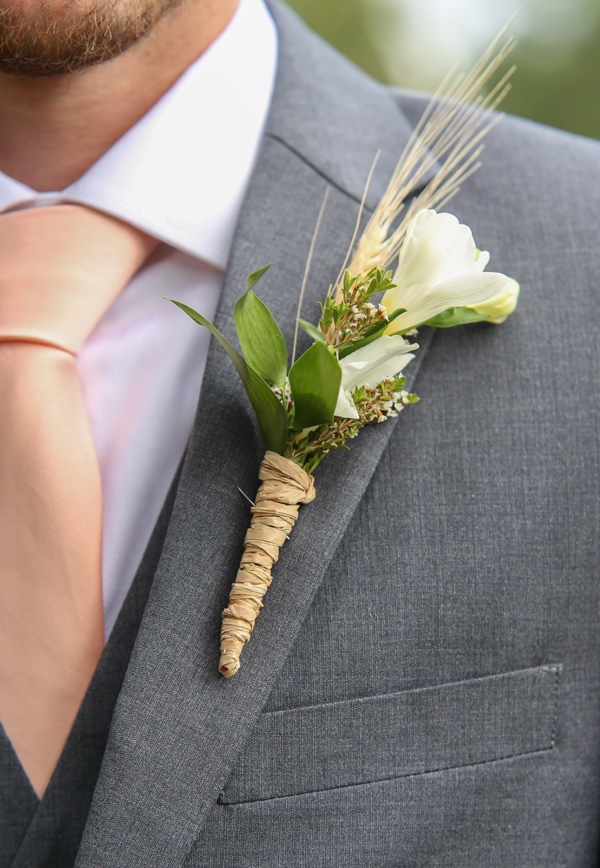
(312, 331)
(270, 415)
(260, 338)
(315, 382)
(454, 316)
(253, 278)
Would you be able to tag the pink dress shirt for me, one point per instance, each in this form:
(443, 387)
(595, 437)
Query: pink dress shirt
(174, 177)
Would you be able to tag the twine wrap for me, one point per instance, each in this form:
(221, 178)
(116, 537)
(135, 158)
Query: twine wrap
(284, 486)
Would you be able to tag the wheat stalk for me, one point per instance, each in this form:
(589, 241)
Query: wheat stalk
(450, 133)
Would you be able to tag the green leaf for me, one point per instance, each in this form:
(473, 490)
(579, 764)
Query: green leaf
(315, 383)
(260, 338)
(312, 331)
(370, 334)
(454, 316)
(253, 278)
(270, 415)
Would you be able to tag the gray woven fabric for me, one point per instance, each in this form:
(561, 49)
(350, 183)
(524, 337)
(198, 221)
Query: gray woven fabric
(423, 685)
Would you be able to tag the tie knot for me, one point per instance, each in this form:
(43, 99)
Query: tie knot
(60, 269)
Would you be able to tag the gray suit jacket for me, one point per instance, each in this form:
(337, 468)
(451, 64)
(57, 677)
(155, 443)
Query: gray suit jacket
(423, 685)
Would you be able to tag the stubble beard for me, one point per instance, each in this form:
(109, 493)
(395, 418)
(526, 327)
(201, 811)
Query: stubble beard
(41, 43)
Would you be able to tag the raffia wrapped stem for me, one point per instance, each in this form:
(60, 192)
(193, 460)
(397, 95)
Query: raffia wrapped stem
(284, 486)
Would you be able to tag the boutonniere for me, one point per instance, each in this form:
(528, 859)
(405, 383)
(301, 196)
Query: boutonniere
(411, 266)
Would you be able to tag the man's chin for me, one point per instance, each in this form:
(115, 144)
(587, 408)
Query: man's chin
(56, 37)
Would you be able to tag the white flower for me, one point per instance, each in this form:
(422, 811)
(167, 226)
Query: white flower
(440, 268)
(382, 358)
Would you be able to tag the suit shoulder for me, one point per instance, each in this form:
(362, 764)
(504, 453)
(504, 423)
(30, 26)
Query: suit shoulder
(526, 149)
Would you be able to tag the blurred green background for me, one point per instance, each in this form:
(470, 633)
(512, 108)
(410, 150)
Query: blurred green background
(413, 43)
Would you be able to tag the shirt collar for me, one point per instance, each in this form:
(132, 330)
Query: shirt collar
(181, 172)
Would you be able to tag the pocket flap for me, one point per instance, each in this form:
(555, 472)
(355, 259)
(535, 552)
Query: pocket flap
(376, 738)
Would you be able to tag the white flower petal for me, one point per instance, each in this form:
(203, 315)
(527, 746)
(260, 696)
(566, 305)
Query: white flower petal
(382, 358)
(467, 290)
(483, 258)
(437, 248)
(345, 406)
(496, 309)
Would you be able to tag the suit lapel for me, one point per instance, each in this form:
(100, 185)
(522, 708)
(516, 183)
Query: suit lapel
(178, 726)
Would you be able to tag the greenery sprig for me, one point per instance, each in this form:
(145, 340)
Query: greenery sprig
(295, 409)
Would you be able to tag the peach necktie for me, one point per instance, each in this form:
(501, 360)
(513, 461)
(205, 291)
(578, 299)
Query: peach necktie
(60, 269)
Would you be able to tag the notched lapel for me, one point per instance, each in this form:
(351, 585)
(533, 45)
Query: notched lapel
(178, 726)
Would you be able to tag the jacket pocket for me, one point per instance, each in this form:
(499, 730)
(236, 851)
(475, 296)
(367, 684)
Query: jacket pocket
(359, 741)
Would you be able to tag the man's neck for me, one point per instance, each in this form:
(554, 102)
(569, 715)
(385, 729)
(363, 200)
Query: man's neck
(54, 129)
